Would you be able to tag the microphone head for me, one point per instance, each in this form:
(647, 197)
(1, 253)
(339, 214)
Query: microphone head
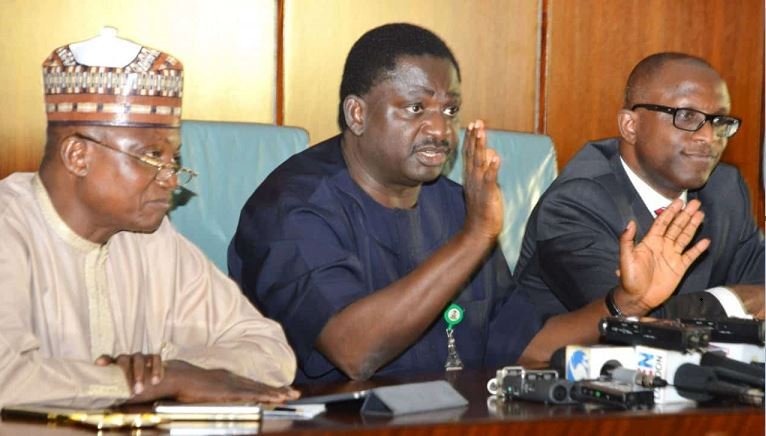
(690, 381)
(714, 359)
(609, 366)
(558, 362)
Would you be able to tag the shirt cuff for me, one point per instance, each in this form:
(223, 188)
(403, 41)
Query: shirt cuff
(730, 302)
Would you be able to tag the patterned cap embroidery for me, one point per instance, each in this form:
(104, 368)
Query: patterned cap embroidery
(146, 92)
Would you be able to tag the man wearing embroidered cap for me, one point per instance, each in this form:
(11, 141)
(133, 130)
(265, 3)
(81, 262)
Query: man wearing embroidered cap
(104, 302)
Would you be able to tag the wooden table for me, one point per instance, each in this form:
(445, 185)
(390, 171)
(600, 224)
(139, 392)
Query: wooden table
(483, 416)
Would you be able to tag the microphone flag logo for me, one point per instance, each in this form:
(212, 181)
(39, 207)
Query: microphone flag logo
(578, 366)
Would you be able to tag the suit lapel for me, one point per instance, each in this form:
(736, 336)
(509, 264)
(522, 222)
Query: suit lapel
(698, 275)
(632, 207)
(627, 199)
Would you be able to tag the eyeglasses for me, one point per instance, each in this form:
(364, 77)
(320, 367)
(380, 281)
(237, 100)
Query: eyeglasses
(164, 170)
(691, 120)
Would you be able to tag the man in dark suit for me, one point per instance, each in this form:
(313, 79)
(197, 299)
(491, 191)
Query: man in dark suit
(674, 127)
(368, 257)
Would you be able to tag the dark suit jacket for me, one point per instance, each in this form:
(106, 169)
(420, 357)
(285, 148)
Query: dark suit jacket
(571, 246)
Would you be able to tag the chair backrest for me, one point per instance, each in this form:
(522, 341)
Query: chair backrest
(528, 168)
(232, 159)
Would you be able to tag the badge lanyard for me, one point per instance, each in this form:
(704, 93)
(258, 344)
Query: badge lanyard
(453, 315)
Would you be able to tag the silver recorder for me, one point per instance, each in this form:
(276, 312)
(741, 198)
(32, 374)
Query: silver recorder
(541, 385)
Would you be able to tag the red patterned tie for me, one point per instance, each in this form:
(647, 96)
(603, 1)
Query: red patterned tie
(657, 212)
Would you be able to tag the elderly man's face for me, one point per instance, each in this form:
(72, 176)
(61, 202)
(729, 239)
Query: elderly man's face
(672, 160)
(411, 121)
(120, 191)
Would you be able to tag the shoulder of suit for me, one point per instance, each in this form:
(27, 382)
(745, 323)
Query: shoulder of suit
(593, 162)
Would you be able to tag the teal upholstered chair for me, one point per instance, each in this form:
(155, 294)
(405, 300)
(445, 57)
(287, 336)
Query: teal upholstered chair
(231, 159)
(528, 168)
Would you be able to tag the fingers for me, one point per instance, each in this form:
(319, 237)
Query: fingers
(294, 394)
(158, 369)
(133, 367)
(125, 363)
(146, 367)
(688, 231)
(664, 220)
(277, 395)
(679, 224)
(104, 360)
(138, 369)
(679, 228)
(188, 383)
(267, 393)
(138, 365)
(478, 158)
(260, 393)
(682, 230)
(626, 239)
(696, 251)
(469, 144)
(474, 146)
(480, 148)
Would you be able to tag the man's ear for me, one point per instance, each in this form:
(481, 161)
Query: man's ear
(627, 122)
(354, 109)
(73, 153)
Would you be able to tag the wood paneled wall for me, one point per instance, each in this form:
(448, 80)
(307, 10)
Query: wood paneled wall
(547, 66)
(227, 47)
(570, 88)
(592, 45)
(495, 42)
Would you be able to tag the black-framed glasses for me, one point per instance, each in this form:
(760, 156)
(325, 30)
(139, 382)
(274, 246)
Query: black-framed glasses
(164, 170)
(691, 120)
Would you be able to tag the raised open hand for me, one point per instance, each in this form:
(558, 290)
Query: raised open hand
(651, 270)
(483, 198)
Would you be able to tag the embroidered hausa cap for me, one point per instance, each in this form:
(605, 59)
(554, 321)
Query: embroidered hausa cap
(111, 81)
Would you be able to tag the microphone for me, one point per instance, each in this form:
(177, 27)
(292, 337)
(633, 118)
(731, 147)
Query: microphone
(734, 370)
(631, 376)
(700, 383)
(558, 361)
(588, 362)
(613, 370)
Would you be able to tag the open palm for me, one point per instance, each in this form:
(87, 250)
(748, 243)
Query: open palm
(483, 197)
(651, 270)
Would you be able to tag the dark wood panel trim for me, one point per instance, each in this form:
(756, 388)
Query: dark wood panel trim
(542, 73)
(280, 91)
(760, 208)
